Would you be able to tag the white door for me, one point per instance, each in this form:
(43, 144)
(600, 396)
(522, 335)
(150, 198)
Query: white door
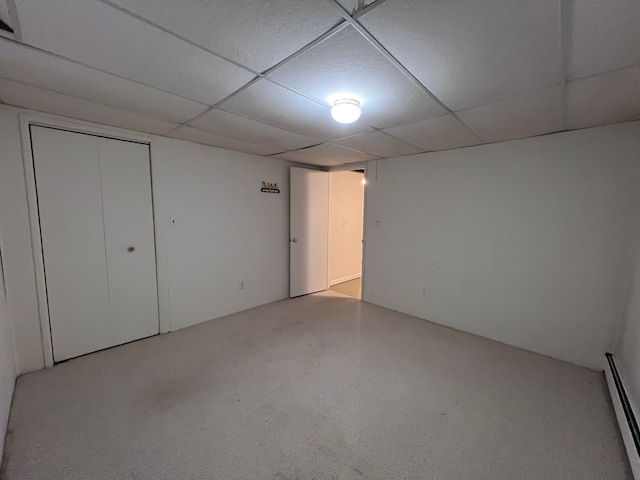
(308, 228)
(96, 223)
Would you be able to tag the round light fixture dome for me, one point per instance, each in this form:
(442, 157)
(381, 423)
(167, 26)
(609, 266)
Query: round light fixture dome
(346, 110)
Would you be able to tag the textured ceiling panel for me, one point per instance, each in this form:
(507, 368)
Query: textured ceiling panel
(525, 116)
(226, 123)
(496, 63)
(348, 65)
(326, 154)
(473, 52)
(438, 133)
(379, 144)
(28, 65)
(101, 36)
(278, 106)
(603, 99)
(604, 35)
(196, 135)
(255, 33)
(27, 96)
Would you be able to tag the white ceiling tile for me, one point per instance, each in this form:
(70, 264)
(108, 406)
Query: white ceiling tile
(326, 154)
(196, 135)
(101, 36)
(379, 144)
(525, 116)
(255, 33)
(603, 99)
(233, 125)
(35, 67)
(275, 105)
(473, 52)
(27, 96)
(604, 35)
(348, 64)
(440, 133)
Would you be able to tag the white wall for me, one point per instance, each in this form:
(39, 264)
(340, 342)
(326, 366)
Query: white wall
(346, 212)
(226, 232)
(627, 347)
(7, 370)
(527, 242)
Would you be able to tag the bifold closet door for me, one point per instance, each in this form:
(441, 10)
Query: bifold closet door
(96, 225)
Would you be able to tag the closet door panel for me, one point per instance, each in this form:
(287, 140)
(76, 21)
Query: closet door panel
(128, 220)
(68, 186)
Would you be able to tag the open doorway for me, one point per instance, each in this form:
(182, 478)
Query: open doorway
(346, 222)
(326, 231)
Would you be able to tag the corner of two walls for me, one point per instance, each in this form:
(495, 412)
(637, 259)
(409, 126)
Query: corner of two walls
(7, 366)
(527, 242)
(7, 348)
(626, 343)
(21, 294)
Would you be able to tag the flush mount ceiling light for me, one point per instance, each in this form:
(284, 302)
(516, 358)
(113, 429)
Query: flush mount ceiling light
(346, 110)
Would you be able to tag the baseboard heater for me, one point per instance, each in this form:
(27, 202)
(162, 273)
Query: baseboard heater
(625, 415)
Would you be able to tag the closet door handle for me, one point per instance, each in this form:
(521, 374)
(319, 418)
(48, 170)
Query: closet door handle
(131, 249)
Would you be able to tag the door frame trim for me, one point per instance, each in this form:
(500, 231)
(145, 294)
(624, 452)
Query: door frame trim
(76, 126)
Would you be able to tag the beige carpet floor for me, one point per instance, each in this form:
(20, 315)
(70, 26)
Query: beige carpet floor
(352, 288)
(318, 387)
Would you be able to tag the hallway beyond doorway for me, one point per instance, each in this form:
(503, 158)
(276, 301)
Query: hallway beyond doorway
(352, 288)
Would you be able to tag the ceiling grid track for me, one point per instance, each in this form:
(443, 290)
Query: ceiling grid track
(258, 75)
(325, 36)
(175, 35)
(347, 21)
(121, 77)
(265, 74)
(613, 70)
(211, 107)
(374, 41)
(566, 30)
(341, 26)
(88, 100)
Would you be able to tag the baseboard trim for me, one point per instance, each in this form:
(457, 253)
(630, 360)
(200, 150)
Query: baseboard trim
(624, 413)
(344, 279)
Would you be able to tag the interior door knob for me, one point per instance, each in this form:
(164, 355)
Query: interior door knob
(131, 249)
(294, 240)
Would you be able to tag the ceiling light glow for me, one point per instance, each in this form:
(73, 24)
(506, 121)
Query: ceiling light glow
(346, 110)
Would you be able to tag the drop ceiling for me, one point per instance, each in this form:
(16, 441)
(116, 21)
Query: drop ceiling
(259, 77)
